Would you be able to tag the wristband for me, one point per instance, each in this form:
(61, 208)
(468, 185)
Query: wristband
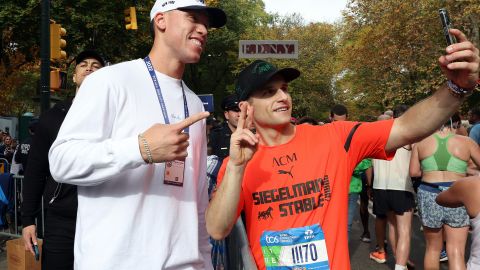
(457, 91)
(147, 149)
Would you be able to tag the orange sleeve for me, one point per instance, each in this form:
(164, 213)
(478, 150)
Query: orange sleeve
(221, 173)
(370, 139)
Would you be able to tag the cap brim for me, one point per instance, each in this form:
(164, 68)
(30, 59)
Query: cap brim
(89, 54)
(229, 108)
(289, 74)
(217, 17)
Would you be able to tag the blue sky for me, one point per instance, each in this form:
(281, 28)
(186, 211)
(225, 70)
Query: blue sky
(311, 10)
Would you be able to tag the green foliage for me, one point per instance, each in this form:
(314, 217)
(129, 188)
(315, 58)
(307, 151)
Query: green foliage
(384, 52)
(89, 25)
(390, 48)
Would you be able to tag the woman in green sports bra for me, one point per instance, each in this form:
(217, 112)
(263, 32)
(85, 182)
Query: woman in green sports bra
(440, 160)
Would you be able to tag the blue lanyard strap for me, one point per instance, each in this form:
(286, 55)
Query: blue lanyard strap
(149, 65)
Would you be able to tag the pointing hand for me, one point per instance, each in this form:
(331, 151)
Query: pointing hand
(169, 142)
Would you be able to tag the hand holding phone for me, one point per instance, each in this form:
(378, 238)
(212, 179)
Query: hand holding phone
(37, 252)
(447, 25)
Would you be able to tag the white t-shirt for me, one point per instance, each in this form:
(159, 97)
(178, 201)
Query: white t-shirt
(393, 174)
(127, 217)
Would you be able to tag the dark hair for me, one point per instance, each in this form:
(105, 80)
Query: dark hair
(399, 110)
(308, 120)
(338, 109)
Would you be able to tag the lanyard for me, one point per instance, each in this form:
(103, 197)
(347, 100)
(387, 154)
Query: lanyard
(149, 65)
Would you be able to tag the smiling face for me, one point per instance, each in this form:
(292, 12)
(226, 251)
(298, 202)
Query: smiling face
(185, 33)
(7, 140)
(272, 104)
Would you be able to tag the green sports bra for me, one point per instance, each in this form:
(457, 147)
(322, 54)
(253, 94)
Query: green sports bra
(442, 160)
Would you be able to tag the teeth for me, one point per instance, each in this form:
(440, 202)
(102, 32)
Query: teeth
(281, 109)
(198, 43)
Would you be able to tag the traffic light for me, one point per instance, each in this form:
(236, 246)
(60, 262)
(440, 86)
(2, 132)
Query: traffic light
(131, 19)
(57, 43)
(58, 80)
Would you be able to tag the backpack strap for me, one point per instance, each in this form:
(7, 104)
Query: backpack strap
(349, 138)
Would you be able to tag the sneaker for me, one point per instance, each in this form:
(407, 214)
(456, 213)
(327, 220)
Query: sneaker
(378, 256)
(443, 256)
(365, 238)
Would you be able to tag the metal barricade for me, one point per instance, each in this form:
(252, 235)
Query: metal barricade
(14, 225)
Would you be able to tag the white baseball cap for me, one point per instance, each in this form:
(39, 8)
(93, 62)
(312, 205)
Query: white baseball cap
(217, 17)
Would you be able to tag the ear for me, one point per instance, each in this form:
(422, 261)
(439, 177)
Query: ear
(159, 21)
(225, 114)
(74, 78)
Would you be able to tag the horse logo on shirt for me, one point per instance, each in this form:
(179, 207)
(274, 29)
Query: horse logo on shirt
(265, 214)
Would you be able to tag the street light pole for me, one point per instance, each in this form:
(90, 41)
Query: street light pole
(45, 57)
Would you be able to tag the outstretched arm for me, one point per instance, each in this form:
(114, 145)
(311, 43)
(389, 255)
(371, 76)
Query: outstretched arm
(463, 192)
(461, 66)
(452, 197)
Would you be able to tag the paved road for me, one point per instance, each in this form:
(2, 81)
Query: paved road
(359, 251)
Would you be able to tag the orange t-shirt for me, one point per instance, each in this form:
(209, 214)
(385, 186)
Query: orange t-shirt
(306, 181)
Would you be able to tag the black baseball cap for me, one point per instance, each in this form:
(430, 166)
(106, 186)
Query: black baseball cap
(230, 102)
(89, 54)
(257, 74)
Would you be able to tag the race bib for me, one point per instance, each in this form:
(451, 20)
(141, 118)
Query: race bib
(298, 249)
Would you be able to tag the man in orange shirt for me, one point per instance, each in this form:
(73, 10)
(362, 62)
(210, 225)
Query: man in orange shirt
(292, 181)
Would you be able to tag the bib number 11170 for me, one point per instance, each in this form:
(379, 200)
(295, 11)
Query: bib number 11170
(304, 253)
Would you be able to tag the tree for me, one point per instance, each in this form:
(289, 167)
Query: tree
(390, 49)
(100, 26)
(89, 24)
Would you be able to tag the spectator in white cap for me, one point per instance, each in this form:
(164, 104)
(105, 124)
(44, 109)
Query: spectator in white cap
(138, 150)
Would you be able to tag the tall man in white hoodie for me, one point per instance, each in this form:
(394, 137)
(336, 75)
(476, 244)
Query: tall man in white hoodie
(137, 152)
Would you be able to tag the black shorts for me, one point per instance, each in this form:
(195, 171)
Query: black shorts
(398, 201)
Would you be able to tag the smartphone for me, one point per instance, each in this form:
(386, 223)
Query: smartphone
(37, 253)
(447, 25)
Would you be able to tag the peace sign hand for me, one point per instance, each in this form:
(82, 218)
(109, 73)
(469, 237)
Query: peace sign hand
(169, 142)
(243, 143)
